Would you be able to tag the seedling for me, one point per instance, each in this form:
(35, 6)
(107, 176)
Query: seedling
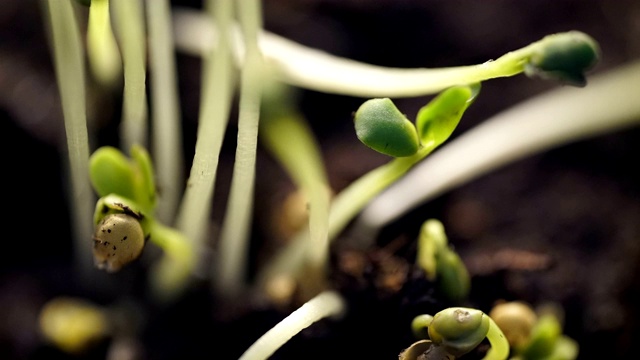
(534, 335)
(454, 332)
(127, 205)
(124, 218)
(440, 262)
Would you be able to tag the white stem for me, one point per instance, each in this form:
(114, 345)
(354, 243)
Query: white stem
(608, 103)
(326, 304)
(167, 132)
(130, 31)
(310, 68)
(69, 68)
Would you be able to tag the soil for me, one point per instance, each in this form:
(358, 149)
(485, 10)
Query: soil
(561, 226)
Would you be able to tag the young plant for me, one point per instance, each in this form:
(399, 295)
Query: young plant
(521, 131)
(534, 336)
(301, 157)
(440, 262)
(564, 56)
(454, 332)
(382, 127)
(124, 219)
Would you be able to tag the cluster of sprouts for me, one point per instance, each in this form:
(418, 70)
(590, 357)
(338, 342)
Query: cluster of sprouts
(129, 212)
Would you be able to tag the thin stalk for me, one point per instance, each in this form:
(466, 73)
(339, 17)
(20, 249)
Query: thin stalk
(301, 157)
(69, 68)
(102, 49)
(310, 68)
(555, 118)
(170, 275)
(130, 31)
(230, 267)
(215, 103)
(167, 132)
(326, 304)
(499, 344)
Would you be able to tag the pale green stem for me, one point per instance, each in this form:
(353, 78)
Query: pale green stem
(167, 131)
(102, 48)
(230, 267)
(215, 103)
(314, 69)
(499, 344)
(324, 305)
(609, 103)
(69, 68)
(300, 155)
(130, 31)
(171, 274)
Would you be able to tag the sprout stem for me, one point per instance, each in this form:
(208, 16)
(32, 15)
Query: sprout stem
(309, 68)
(167, 134)
(130, 30)
(230, 268)
(69, 68)
(326, 304)
(499, 344)
(217, 85)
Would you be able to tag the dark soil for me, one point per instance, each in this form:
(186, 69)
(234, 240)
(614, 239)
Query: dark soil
(562, 226)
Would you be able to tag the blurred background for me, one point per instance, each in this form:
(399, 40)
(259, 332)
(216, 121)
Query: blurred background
(576, 207)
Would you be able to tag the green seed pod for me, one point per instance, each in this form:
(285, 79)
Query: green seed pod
(459, 330)
(564, 57)
(382, 127)
(117, 241)
(516, 320)
(437, 120)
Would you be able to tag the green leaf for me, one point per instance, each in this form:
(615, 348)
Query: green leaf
(145, 186)
(111, 172)
(382, 127)
(437, 120)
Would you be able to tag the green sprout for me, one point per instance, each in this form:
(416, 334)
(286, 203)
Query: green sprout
(375, 119)
(454, 332)
(124, 218)
(534, 335)
(440, 262)
(564, 56)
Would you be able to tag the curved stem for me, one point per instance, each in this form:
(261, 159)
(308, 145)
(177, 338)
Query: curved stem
(314, 69)
(499, 344)
(326, 304)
